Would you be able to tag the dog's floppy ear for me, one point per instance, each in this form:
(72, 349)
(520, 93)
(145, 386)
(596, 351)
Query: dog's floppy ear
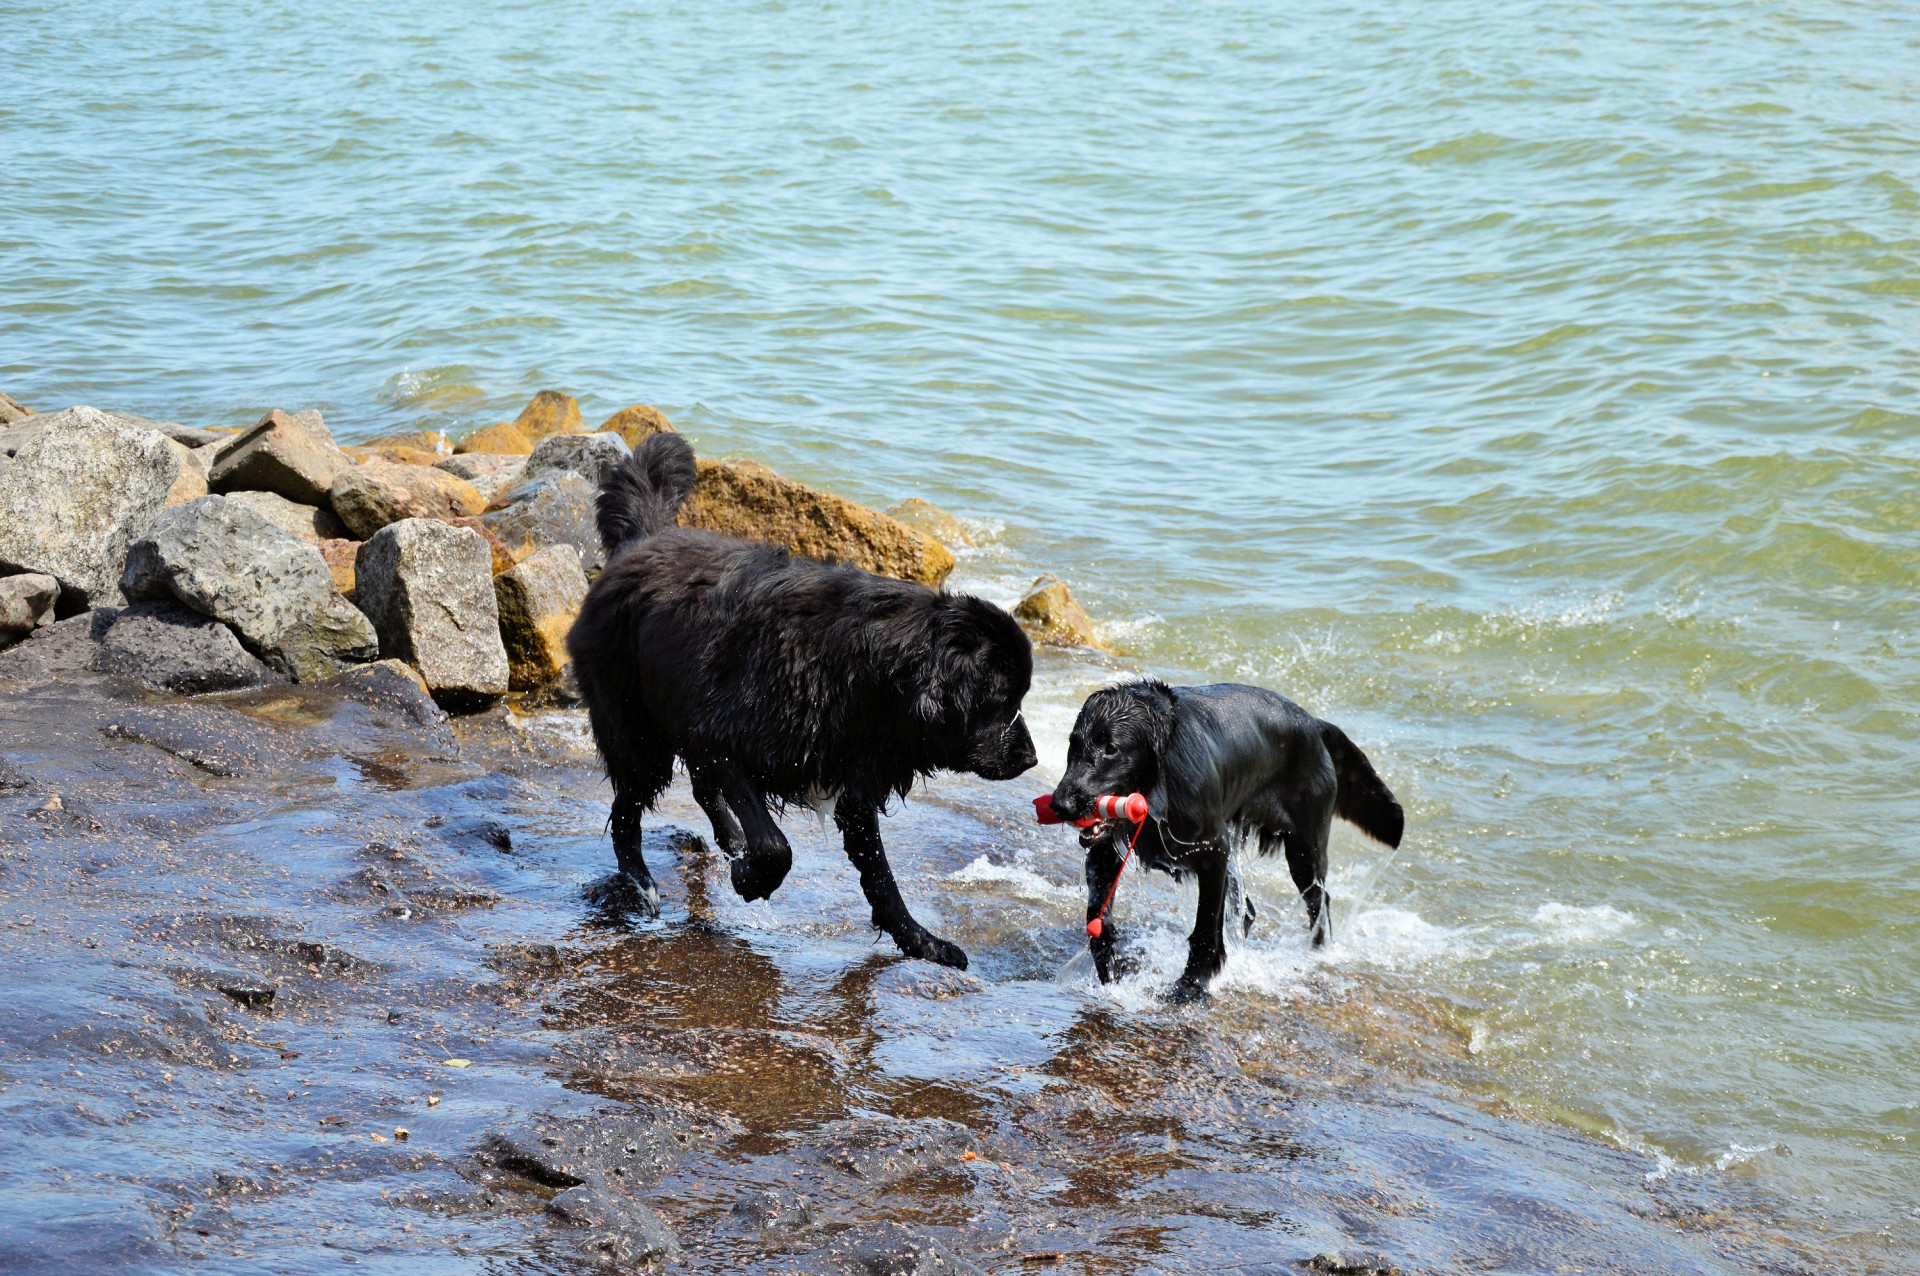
(1187, 794)
(949, 679)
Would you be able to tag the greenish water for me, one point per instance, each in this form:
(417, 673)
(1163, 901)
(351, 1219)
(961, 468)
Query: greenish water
(1532, 389)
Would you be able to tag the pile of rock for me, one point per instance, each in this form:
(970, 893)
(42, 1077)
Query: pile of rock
(468, 560)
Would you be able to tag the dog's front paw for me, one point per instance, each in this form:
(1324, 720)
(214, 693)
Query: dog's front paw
(930, 947)
(622, 892)
(1185, 992)
(759, 876)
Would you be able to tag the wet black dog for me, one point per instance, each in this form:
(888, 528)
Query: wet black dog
(1218, 764)
(781, 679)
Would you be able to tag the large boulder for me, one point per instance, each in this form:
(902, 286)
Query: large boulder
(636, 423)
(506, 438)
(491, 473)
(274, 589)
(172, 647)
(591, 456)
(429, 589)
(308, 522)
(1051, 616)
(373, 494)
(289, 453)
(35, 425)
(556, 510)
(539, 598)
(74, 499)
(26, 603)
(548, 412)
(745, 498)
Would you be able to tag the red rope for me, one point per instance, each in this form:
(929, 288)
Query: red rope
(1098, 924)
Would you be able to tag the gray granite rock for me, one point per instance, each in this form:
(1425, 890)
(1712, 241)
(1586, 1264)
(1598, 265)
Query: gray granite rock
(170, 646)
(555, 510)
(429, 589)
(275, 590)
(591, 456)
(76, 497)
(621, 1231)
(288, 453)
(26, 603)
(491, 473)
(308, 522)
(369, 496)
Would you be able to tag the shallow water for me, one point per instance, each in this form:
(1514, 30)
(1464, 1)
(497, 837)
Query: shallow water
(1529, 389)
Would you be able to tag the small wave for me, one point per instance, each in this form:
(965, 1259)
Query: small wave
(1574, 924)
(1022, 882)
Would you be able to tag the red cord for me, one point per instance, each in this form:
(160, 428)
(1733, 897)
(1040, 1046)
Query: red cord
(1098, 923)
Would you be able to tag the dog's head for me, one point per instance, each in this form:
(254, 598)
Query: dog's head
(981, 666)
(1116, 747)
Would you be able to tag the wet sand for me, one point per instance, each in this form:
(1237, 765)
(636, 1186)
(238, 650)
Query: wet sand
(245, 939)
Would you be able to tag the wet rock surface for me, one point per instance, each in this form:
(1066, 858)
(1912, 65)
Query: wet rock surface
(274, 590)
(227, 998)
(174, 648)
(1050, 614)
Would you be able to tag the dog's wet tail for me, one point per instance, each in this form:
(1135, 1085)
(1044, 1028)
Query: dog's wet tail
(1363, 798)
(645, 492)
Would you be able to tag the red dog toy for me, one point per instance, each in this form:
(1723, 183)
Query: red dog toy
(1131, 808)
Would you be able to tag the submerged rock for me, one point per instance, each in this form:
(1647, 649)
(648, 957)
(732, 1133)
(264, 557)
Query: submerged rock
(1050, 614)
(491, 473)
(291, 454)
(771, 1213)
(539, 598)
(273, 589)
(927, 517)
(26, 603)
(893, 1249)
(75, 499)
(635, 423)
(308, 522)
(172, 647)
(373, 494)
(591, 456)
(429, 589)
(556, 510)
(745, 498)
(619, 1230)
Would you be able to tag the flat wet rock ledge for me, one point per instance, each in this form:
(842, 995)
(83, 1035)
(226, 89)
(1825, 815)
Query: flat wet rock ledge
(309, 961)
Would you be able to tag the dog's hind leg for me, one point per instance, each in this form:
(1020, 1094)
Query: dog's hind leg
(726, 829)
(627, 808)
(860, 827)
(765, 858)
(1307, 864)
(1207, 945)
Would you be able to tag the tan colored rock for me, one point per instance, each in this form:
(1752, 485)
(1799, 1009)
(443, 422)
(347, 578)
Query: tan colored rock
(290, 453)
(192, 483)
(539, 598)
(1051, 616)
(548, 412)
(636, 423)
(745, 498)
(26, 603)
(340, 555)
(931, 519)
(308, 522)
(11, 410)
(406, 449)
(503, 556)
(506, 438)
(369, 496)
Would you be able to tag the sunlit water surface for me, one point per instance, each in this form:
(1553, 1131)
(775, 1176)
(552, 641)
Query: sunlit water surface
(1530, 389)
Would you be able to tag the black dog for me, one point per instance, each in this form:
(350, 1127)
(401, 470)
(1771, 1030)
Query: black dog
(782, 679)
(1218, 764)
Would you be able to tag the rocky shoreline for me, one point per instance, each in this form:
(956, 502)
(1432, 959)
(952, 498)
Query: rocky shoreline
(305, 967)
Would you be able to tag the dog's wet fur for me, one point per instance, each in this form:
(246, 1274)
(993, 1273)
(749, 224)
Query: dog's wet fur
(1221, 766)
(779, 679)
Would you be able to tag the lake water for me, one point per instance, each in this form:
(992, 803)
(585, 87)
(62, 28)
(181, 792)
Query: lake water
(1532, 389)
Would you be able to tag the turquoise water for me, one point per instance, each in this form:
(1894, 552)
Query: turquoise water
(1532, 389)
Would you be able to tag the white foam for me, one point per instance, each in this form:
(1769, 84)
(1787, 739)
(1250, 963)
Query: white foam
(1023, 883)
(1574, 924)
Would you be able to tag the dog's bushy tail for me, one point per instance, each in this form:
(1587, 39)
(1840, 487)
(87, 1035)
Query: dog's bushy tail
(645, 492)
(1363, 798)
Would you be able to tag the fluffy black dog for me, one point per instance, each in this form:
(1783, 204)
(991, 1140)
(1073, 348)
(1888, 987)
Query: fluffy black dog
(1217, 764)
(782, 679)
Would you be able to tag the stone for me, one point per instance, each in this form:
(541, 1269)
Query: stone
(274, 589)
(503, 438)
(191, 437)
(591, 456)
(556, 510)
(771, 1213)
(1051, 616)
(11, 411)
(893, 1249)
(339, 554)
(192, 483)
(633, 1152)
(59, 652)
(538, 599)
(26, 603)
(37, 425)
(636, 423)
(502, 557)
(927, 517)
(172, 647)
(548, 412)
(429, 590)
(620, 1231)
(491, 473)
(292, 454)
(309, 522)
(880, 1151)
(75, 499)
(373, 494)
(420, 447)
(745, 498)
